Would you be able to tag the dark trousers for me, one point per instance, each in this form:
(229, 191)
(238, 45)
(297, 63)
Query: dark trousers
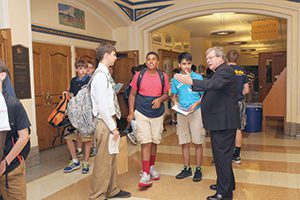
(222, 149)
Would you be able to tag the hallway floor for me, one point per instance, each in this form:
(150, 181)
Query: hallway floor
(270, 169)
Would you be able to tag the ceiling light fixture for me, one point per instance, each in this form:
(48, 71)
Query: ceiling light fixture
(237, 43)
(222, 32)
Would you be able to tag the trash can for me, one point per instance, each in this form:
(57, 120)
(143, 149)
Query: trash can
(254, 117)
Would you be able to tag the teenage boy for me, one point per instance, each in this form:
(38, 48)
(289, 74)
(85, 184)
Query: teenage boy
(89, 71)
(76, 84)
(190, 127)
(17, 147)
(243, 89)
(146, 105)
(105, 109)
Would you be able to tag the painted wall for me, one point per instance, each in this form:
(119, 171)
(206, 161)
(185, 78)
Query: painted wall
(176, 33)
(19, 21)
(199, 45)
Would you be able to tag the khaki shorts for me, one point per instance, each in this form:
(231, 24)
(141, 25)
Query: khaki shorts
(190, 128)
(243, 117)
(16, 184)
(74, 137)
(148, 129)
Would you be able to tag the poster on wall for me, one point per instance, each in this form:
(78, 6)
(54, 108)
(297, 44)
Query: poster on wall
(71, 16)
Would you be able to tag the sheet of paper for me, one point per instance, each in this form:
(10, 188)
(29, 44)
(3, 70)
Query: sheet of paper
(113, 146)
(181, 110)
(118, 87)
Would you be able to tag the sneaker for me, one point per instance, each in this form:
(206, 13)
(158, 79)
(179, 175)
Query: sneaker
(93, 152)
(145, 180)
(154, 174)
(85, 168)
(72, 166)
(197, 175)
(236, 160)
(173, 122)
(79, 154)
(121, 194)
(127, 130)
(132, 138)
(186, 172)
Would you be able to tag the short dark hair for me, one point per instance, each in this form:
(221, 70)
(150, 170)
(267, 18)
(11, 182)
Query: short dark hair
(184, 55)
(233, 56)
(80, 63)
(194, 68)
(153, 53)
(3, 67)
(176, 71)
(102, 50)
(91, 63)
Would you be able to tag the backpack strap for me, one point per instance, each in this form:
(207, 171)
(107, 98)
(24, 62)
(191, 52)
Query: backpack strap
(161, 76)
(142, 72)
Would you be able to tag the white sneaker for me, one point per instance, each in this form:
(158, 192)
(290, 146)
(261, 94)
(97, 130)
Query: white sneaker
(145, 180)
(154, 174)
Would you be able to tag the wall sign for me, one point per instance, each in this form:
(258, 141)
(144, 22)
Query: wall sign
(21, 71)
(264, 29)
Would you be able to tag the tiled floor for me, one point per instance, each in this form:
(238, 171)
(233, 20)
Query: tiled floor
(270, 169)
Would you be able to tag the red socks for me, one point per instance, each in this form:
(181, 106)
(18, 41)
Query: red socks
(152, 160)
(146, 166)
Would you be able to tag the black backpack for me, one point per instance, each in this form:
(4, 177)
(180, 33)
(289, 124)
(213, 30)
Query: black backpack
(161, 76)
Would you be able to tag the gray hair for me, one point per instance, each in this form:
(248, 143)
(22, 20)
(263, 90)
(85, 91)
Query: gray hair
(219, 52)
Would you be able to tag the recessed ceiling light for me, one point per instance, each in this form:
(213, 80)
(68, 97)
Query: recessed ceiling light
(222, 32)
(237, 42)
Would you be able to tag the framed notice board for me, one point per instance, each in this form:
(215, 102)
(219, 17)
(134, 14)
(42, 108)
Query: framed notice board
(21, 71)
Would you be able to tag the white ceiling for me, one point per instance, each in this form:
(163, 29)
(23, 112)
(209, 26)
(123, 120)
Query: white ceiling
(241, 23)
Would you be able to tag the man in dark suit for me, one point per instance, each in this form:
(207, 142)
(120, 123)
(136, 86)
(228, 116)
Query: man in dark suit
(220, 115)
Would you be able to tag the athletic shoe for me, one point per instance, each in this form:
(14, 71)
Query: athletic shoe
(186, 172)
(236, 160)
(197, 175)
(85, 168)
(154, 174)
(132, 138)
(72, 166)
(145, 180)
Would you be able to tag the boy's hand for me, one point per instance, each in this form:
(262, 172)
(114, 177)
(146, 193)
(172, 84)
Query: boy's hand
(193, 107)
(156, 103)
(130, 117)
(116, 134)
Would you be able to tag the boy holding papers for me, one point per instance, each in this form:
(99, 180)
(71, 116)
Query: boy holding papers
(189, 127)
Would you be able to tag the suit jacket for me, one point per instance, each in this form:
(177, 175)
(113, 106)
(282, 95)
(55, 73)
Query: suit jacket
(219, 105)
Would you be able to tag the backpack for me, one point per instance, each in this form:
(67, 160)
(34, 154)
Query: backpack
(80, 110)
(58, 114)
(127, 92)
(161, 76)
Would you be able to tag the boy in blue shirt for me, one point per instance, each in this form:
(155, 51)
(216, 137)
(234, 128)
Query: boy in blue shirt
(189, 127)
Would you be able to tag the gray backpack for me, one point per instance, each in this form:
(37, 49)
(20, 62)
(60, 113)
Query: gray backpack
(80, 111)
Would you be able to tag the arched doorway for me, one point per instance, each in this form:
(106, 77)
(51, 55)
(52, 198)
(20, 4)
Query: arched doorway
(283, 10)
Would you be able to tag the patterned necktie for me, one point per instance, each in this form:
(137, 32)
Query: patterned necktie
(116, 103)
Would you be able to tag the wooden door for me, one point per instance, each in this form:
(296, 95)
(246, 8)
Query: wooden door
(85, 54)
(52, 74)
(122, 74)
(6, 51)
(271, 64)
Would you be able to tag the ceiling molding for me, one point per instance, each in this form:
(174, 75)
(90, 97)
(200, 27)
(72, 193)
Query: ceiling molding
(140, 9)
